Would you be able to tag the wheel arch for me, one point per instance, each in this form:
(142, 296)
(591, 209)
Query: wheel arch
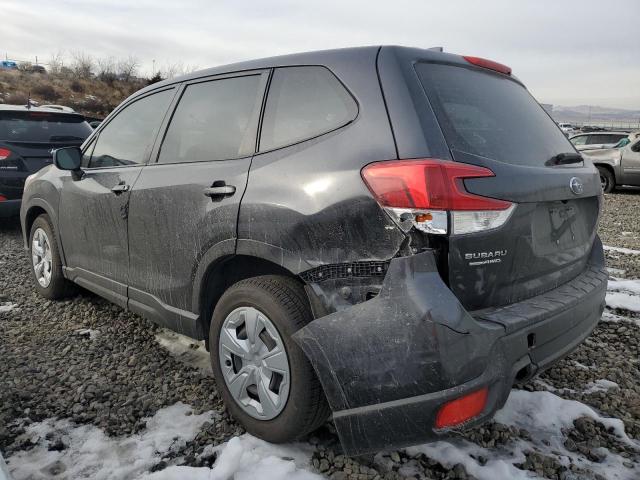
(607, 167)
(224, 272)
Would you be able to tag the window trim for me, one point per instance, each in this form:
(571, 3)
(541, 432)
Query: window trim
(92, 140)
(264, 108)
(265, 76)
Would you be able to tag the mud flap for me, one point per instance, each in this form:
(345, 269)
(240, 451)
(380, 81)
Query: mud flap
(412, 341)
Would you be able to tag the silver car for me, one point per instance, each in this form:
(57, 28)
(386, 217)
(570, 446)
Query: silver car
(596, 140)
(619, 165)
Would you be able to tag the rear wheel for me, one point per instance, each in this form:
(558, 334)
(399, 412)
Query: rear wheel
(607, 179)
(45, 261)
(265, 379)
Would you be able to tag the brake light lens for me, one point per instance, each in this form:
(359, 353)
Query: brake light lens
(426, 190)
(2, 198)
(4, 153)
(490, 64)
(462, 409)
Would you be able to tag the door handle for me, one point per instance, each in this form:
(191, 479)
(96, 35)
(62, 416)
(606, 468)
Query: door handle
(220, 191)
(120, 188)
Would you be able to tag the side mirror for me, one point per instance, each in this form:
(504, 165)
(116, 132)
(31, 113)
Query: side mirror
(68, 158)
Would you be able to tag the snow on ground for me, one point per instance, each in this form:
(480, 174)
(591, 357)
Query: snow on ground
(628, 251)
(601, 385)
(248, 458)
(7, 307)
(624, 294)
(543, 415)
(88, 332)
(90, 454)
(185, 349)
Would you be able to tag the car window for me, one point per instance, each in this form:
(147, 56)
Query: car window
(213, 121)
(127, 138)
(581, 140)
(304, 102)
(42, 127)
(86, 154)
(490, 115)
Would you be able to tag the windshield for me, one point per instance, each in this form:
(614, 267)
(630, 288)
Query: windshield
(491, 115)
(43, 127)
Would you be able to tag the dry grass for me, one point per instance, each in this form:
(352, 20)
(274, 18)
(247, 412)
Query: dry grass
(92, 97)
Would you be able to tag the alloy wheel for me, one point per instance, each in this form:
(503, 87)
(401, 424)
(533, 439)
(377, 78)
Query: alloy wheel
(41, 257)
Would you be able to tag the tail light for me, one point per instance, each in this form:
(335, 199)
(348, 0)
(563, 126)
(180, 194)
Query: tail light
(2, 198)
(462, 409)
(429, 194)
(4, 153)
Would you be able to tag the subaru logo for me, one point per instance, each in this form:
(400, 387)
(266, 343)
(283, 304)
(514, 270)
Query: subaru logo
(575, 184)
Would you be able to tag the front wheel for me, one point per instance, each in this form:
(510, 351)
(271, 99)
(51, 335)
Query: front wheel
(607, 180)
(46, 265)
(265, 379)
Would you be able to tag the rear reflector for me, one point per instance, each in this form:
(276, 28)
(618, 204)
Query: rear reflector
(462, 409)
(4, 153)
(490, 64)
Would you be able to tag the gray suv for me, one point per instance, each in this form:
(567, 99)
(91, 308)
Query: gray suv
(388, 236)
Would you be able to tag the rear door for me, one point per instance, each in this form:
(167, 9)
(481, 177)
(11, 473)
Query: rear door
(490, 120)
(185, 205)
(94, 208)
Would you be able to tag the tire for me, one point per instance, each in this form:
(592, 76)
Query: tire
(284, 304)
(57, 287)
(607, 180)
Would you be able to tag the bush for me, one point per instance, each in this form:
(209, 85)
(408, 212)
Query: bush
(47, 92)
(16, 99)
(76, 86)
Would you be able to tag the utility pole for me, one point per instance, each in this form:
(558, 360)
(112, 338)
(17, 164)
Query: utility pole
(36, 59)
(153, 69)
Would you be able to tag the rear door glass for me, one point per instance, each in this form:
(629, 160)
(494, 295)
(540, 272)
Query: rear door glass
(304, 102)
(490, 115)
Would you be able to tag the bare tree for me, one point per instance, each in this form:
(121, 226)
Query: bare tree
(106, 69)
(128, 68)
(82, 64)
(56, 62)
(176, 69)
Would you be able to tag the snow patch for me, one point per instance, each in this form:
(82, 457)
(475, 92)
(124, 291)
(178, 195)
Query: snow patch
(247, 458)
(543, 415)
(7, 307)
(185, 349)
(91, 454)
(92, 334)
(628, 251)
(601, 385)
(623, 300)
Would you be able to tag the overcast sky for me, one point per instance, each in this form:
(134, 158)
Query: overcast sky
(567, 52)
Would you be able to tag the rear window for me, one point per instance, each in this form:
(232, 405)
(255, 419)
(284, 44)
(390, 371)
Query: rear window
(490, 115)
(43, 127)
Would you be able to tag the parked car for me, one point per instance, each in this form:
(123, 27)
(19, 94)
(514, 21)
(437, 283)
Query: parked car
(566, 128)
(593, 141)
(395, 235)
(620, 165)
(27, 136)
(8, 65)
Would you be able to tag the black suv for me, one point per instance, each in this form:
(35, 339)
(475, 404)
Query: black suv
(391, 234)
(27, 136)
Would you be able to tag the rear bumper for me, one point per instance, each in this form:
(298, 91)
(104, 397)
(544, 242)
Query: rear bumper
(10, 208)
(387, 365)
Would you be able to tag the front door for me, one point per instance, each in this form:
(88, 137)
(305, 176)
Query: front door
(631, 163)
(184, 207)
(94, 207)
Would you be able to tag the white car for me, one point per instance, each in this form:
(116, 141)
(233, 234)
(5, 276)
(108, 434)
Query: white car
(597, 140)
(566, 128)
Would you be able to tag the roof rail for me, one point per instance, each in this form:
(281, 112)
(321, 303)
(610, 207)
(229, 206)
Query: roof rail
(436, 49)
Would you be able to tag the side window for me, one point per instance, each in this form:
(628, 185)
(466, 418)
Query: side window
(215, 120)
(304, 102)
(636, 147)
(127, 138)
(581, 140)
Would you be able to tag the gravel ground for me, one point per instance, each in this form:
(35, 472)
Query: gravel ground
(93, 363)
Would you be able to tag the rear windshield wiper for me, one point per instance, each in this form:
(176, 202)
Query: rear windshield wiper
(564, 159)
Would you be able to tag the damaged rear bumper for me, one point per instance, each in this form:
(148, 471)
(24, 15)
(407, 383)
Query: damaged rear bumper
(387, 365)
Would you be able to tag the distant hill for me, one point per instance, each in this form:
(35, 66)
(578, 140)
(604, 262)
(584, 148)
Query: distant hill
(595, 114)
(91, 96)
